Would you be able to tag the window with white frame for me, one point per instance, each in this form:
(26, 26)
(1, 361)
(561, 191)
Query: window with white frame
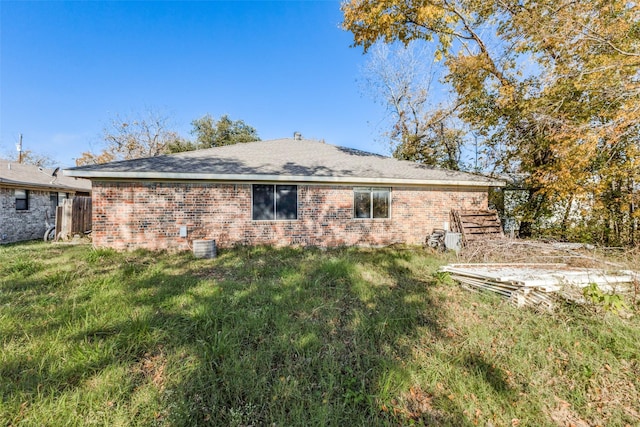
(274, 202)
(371, 202)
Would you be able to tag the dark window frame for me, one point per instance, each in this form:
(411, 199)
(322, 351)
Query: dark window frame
(367, 206)
(22, 203)
(57, 198)
(274, 202)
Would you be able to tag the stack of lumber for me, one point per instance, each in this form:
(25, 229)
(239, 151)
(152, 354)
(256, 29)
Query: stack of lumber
(476, 224)
(534, 284)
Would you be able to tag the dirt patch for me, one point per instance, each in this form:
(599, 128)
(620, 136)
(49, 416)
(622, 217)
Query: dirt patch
(563, 415)
(151, 368)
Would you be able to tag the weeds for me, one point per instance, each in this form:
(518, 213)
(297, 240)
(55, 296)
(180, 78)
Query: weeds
(263, 336)
(609, 302)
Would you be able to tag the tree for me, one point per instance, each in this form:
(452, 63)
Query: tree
(216, 133)
(551, 85)
(132, 138)
(180, 145)
(90, 158)
(30, 157)
(148, 136)
(400, 78)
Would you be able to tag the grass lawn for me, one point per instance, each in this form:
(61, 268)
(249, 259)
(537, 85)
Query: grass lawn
(282, 337)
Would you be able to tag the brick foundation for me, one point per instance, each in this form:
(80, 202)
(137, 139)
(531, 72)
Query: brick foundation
(131, 215)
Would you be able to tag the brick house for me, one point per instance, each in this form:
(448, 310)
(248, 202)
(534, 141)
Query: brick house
(28, 197)
(280, 192)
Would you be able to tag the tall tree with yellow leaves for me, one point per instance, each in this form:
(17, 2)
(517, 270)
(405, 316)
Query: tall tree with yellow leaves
(552, 85)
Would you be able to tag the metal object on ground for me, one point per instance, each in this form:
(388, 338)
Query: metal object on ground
(436, 239)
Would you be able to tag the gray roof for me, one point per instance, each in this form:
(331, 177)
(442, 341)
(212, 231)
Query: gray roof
(281, 160)
(16, 174)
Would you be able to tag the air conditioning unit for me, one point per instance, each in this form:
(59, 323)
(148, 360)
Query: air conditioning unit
(204, 248)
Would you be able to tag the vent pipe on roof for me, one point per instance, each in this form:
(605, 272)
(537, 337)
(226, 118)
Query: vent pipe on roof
(297, 136)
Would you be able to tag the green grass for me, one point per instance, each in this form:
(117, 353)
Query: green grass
(263, 336)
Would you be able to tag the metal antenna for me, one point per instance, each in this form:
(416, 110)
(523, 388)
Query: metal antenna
(19, 147)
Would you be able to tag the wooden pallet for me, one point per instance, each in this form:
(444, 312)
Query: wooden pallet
(476, 225)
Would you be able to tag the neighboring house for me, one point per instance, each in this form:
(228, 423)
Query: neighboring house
(280, 192)
(28, 197)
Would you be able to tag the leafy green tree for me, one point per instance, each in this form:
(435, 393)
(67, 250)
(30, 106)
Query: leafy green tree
(435, 145)
(224, 131)
(180, 145)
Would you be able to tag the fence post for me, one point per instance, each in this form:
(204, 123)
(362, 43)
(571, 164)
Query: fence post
(67, 218)
(59, 214)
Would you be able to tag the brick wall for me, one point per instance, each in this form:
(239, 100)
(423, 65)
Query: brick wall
(16, 225)
(149, 215)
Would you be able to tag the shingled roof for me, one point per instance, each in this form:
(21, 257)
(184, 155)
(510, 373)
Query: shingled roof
(15, 174)
(289, 160)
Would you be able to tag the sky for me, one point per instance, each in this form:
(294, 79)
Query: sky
(68, 68)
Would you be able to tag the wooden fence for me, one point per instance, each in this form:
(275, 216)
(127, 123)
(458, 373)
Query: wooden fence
(73, 217)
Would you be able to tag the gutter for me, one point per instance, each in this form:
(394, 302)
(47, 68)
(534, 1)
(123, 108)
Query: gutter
(52, 187)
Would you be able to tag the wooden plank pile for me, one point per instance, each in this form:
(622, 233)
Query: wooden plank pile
(535, 284)
(476, 225)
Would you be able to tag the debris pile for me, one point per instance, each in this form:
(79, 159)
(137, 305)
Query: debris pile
(537, 284)
(548, 252)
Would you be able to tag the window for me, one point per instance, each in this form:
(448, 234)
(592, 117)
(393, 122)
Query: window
(279, 202)
(57, 198)
(22, 200)
(371, 202)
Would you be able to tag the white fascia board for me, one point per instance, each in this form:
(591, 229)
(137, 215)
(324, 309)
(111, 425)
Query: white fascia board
(40, 187)
(110, 175)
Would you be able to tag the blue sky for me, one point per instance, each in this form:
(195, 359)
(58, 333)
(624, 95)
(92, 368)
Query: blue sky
(67, 68)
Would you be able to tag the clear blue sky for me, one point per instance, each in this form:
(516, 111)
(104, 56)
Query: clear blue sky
(67, 68)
